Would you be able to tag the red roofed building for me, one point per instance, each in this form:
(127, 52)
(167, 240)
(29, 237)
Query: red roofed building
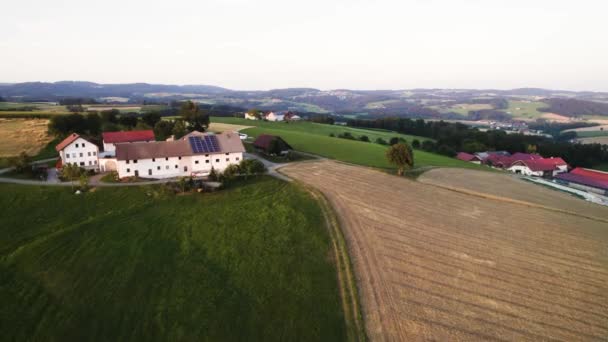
(264, 144)
(468, 157)
(544, 167)
(586, 179)
(110, 139)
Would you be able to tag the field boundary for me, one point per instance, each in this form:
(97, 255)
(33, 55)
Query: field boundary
(353, 319)
(513, 201)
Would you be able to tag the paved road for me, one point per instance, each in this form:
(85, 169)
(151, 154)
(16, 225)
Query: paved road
(271, 166)
(5, 170)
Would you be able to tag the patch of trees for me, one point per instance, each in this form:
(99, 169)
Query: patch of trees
(488, 114)
(574, 107)
(75, 101)
(322, 118)
(62, 125)
(453, 137)
(19, 109)
(555, 128)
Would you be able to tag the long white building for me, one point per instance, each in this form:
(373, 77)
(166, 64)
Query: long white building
(195, 155)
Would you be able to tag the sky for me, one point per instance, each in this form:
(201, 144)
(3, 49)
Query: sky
(325, 44)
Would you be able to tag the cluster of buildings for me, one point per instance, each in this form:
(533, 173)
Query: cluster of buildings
(273, 116)
(138, 154)
(527, 164)
(535, 165)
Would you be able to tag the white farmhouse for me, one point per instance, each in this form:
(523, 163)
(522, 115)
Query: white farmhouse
(250, 116)
(272, 116)
(76, 150)
(194, 156)
(110, 139)
(544, 167)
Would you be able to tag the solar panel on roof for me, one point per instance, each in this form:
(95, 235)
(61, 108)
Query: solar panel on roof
(208, 144)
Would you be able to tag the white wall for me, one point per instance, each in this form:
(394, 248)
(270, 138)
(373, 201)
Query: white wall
(166, 167)
(108, 147)
(82, 153)
(524, 170)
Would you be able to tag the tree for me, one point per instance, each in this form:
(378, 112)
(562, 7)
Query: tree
(163, 129)
(416, 143)
(179, 129)
(251, 167)
(531, 148)
(213, 175)
(196, 118)
(381, 141)
(128, 120)
(110, 115)
(393, 141)
(151, 118)
(255, 113)
(402, 156)
(83, 181)
(20, 163)
(93, 123)
(364, 138)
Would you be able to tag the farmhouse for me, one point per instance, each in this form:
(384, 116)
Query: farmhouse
(544, 167)
(468, 157)
(585, 179)
(291, 116)
(194, 156)
(110, 139)
(76, 150)
(250, 116)
(271, 144)
(272, 116)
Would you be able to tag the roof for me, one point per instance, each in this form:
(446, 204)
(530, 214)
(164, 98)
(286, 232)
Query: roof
(485, 155)
(584, 180)
(263, 141)
(544, 164)
(467, 156)
(592, 174)
(525, 156)
(128, 136)
(229, 142)
(67, 141)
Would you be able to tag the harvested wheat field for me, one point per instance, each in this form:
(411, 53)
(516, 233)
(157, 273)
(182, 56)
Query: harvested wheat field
(17, 135)
(437, 264)
(221, 127)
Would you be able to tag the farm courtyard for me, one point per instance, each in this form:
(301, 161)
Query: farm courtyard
(447, 261)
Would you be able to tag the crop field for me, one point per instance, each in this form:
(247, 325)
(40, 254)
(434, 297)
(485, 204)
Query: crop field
(446, 265)
(463, 108)
(525, 109)
(314, 138)
(249, 263)
(17, 135)
(595, 140)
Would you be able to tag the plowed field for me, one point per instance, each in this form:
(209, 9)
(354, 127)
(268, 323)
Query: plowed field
(439, 264)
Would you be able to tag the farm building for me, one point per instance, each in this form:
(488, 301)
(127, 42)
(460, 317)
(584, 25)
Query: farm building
(468, 157)
(110, 139)
(544, 167)
(272, 116)
(78, 151)
(585, 179)
(271, 144)
(291, 116)
(250, 116)
(194, 156)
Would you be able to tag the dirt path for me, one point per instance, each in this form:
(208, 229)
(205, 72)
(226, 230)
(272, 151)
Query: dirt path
(435, 264)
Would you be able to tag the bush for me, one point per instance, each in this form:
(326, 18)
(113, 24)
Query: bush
(332, 135)
(214, 176)
(20, 163)
(416, 143)
(364, 138)
(346, 135)
(393, 141)
(381, 141)
(428, 146)
(251, 167)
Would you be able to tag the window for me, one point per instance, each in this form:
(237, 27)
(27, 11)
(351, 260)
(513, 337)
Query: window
(135, 161)
(82, 145)
(227, 159)
(166, 158)
(81, 154)
(206, 155)
(196, 162)
(217, 160)
(67, 156)
(158, 168)
(207, 161)
(167, 167)
(237, 158)
(94, 153)
(81, 163)
(136, 173)
(128, 170)
(95, 162)
(76, 145)
(89, 154)
(226, 153)
(127, 161)
(185, 168)
(176, 166)
(180, 158)
(153, 159)
(149, 172)
(90, 162)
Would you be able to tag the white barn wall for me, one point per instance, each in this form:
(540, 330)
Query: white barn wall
(85, 155)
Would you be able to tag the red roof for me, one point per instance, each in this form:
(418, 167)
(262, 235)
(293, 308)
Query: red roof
(592, 174)
(545, 164)
(128, 136)
(466, 156)
(499, 160)
(525, 156)
(70, 139)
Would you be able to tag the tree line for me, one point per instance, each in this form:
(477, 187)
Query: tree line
(190, 117)
(451, 138)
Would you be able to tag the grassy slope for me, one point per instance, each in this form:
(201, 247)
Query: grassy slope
(314, 138)
(527, 110)
(251, 263)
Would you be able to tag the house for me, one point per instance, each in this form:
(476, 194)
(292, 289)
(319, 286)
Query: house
(250, 116)
(468, 157)
(544, 167)
(78, 151)
(110, 139)
(193, 156)
(291, 116)
(585, 179)
(264, 143)
(272, 116)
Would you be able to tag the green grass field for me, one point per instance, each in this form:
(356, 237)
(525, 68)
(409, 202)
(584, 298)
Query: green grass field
(314, 138)
(525, 109)
(248, 263)
(591, 134)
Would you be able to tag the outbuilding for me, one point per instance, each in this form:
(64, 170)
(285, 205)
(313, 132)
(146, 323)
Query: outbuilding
(271, 144)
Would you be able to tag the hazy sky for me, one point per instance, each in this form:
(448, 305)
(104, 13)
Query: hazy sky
(327, 44)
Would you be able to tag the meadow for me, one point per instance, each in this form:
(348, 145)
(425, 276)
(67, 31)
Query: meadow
(525, 109)
(140, 264)
(314, 138)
